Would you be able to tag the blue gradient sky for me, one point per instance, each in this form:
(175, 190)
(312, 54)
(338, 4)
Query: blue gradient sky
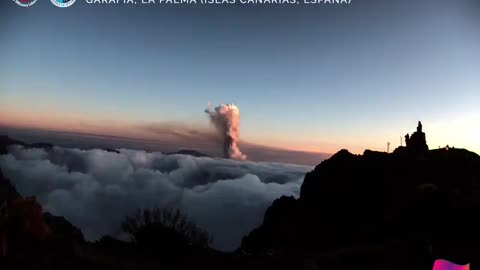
(311, 78)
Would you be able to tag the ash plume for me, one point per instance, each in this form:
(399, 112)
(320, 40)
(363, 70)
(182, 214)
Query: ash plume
(226, 119)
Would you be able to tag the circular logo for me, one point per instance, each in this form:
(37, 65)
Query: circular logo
(25, 3)
(63, 3)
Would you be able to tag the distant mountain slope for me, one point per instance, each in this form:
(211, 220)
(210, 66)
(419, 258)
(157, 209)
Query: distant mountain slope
(188, 152)
(5, 141)
(203, 143)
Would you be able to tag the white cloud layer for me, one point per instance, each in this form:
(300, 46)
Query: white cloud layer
(96, 189)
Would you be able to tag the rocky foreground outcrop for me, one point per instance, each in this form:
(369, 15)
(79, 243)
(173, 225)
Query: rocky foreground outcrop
(7, 190)
(394, 210)
(26, 231)
(30, 237)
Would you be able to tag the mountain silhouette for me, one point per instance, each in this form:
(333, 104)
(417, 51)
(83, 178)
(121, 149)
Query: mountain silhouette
(188, 152)
(7, 190)
(402, 210)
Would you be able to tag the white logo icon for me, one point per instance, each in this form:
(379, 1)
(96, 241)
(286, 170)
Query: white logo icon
(63, 3)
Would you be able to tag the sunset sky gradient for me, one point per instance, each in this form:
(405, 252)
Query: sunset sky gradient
(306, 78)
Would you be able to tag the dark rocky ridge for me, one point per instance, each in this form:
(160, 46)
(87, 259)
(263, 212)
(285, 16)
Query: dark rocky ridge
(7, 190)
(188, 152)
(398, 210)
(6, 141)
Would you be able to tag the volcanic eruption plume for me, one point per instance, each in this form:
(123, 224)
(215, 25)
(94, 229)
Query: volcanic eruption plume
(226, 118)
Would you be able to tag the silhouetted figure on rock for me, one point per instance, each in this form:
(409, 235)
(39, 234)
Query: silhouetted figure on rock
(417, 142)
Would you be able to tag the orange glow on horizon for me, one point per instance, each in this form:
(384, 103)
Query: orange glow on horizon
(439, 133)
(55, 121)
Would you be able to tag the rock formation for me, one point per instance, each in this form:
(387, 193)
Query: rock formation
(7, 190)
(387, 209)
(417, 143)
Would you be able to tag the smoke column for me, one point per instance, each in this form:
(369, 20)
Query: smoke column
(226, 119)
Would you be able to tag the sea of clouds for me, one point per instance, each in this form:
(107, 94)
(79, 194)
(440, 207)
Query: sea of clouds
(95, 189)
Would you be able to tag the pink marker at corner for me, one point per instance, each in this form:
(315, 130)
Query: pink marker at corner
(446, 265)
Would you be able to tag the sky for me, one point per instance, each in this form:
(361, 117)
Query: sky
(310, 78)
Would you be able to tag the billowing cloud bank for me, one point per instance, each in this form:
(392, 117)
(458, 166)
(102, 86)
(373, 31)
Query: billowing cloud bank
(95, 189)
(226, 119)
